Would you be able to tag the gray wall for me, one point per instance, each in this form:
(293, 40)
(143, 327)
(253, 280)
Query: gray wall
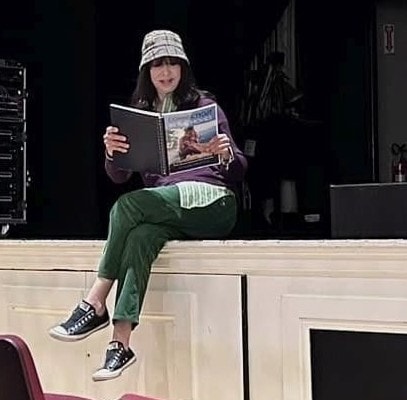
(392, 83)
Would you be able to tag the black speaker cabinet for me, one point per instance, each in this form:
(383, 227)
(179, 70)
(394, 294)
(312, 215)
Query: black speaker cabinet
(13, 168)
(371, 210)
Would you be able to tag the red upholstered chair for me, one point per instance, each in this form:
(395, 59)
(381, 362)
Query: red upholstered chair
(18, 376)
(129, 396)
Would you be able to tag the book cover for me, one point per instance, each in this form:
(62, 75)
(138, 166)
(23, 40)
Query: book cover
(166, 143)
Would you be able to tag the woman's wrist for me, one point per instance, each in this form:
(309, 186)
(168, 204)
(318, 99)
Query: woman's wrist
(108, 156)
(226, 159)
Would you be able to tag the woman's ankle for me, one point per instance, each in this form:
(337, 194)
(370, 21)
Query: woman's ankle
(99, 307)
(122, 332)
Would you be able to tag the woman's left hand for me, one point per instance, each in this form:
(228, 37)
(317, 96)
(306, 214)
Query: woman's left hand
(220, 145)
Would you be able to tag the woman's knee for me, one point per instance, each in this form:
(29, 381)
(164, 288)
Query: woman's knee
(126, 202)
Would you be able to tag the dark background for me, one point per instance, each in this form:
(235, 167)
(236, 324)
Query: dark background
(82, 55)
(358, 365)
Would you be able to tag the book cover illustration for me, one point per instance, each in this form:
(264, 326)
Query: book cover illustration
(189, 136)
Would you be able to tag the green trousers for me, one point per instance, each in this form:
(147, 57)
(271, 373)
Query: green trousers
(141, 222)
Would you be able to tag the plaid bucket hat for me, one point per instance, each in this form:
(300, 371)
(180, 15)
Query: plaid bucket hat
(161, 43)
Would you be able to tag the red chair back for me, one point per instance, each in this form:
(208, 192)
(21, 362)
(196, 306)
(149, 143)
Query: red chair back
(130, 396)
(19, 378)
(18, 375)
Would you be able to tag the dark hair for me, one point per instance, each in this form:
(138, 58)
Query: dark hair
(185, 96)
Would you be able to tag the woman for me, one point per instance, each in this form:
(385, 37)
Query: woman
(194, 204)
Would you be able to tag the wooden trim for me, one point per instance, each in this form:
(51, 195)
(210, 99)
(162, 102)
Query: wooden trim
(341, 258)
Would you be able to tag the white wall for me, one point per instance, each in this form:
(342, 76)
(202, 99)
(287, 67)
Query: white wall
(392, 83)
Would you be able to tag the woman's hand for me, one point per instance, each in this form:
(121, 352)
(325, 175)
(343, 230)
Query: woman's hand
(220, 145)
(114, 141)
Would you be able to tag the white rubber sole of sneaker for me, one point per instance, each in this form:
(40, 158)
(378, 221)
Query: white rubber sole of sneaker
(104, 375)
(74, 338)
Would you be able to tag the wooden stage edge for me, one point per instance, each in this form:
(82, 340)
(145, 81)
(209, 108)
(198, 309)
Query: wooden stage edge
(330, 258)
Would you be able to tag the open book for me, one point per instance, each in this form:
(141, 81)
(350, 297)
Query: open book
(166, 143)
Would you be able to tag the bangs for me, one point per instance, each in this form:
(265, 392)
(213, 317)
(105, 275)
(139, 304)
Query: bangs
(165, 60)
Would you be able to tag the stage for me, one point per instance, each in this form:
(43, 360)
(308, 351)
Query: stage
(226, 320)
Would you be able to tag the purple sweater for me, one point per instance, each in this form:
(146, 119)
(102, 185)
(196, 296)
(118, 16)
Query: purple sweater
(216, 175)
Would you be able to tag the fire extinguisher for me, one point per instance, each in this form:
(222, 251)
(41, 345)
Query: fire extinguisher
(399, 165)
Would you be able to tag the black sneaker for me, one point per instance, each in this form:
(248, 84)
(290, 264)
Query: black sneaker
(82, 323)
(117, 360)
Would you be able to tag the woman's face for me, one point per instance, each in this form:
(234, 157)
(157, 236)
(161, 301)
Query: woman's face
(165, 75)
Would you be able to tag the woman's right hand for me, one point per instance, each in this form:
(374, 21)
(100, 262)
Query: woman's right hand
(114, 141)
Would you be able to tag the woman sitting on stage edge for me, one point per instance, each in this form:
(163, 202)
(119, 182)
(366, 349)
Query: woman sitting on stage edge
(195, 204)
